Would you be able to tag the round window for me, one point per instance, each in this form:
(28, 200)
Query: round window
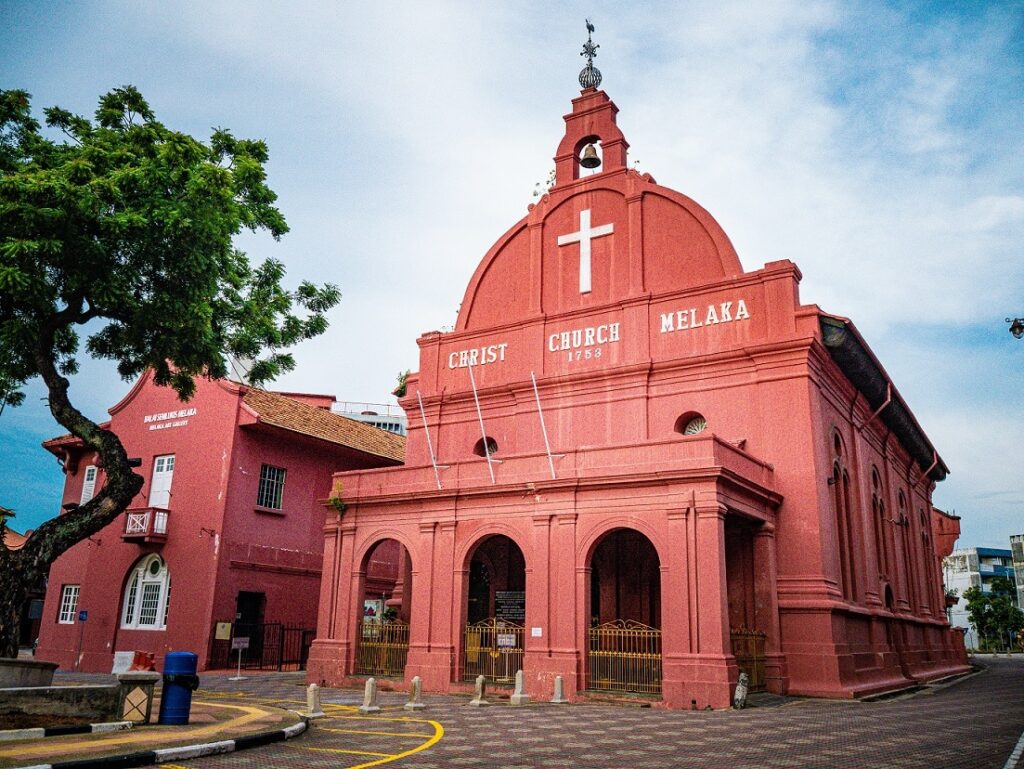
(154, 567)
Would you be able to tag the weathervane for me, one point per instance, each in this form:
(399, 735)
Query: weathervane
(590, 76)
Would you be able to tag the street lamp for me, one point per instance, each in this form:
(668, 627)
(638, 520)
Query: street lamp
(1016, 327)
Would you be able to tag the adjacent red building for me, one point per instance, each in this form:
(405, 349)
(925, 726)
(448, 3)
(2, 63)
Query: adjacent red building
(228, 527)
(641, 468)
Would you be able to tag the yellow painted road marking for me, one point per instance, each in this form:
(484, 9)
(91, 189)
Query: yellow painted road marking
(385, 734)
(386, 758)
(351, 752)
(45, 748)
(172, 766)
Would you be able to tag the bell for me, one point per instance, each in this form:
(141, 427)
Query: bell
(590, 158)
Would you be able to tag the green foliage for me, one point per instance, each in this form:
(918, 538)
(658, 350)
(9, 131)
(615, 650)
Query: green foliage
(131, 223)
(993, 614)
(400, 390)
(124, 230)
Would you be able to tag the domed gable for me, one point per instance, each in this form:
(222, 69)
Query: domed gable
(596, 240)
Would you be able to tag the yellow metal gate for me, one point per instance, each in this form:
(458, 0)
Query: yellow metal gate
(383, 648)
(492, 648)
(748, 649)
(624, 656)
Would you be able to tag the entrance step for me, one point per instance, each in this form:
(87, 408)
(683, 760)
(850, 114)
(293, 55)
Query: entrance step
(621, 699)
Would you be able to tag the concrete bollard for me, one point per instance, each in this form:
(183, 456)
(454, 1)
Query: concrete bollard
(478, 700)
(559, 698)
(370, 697)
(414, 695)
(313, 709)
(519, 697)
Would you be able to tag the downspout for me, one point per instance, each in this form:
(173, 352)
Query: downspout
(935, 461)
(886, 402)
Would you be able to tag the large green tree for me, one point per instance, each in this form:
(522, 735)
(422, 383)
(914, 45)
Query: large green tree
(116, 241)
(993, 613)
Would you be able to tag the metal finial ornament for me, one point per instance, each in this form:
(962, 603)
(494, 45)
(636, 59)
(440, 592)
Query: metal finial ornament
(590, 76)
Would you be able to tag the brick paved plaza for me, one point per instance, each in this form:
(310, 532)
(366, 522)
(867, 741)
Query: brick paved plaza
(973, 723)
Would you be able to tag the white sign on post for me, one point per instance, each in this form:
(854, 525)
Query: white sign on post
(240, 643)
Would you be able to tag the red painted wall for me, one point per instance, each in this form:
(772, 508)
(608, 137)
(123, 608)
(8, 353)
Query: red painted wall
(741, 519)
(217, 542)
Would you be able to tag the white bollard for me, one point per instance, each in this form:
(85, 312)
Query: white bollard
(370, 697)
(478, 700)
(414, 695)
(559, 698)
(519, 697)
(313, 709)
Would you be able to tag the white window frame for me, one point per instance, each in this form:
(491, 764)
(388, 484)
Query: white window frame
(140, 581)
(270, 492)
(89, 484)
(68, 604)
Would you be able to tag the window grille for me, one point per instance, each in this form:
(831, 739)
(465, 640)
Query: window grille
(271, 490)
(68, 604)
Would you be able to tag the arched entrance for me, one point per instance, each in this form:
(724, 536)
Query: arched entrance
(383, 635)
(495, 611)
(624, 636)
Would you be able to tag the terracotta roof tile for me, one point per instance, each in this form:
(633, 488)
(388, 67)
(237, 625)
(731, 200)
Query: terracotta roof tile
(286, 413)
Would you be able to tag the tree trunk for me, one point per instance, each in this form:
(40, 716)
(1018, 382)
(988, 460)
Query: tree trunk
(21, 569)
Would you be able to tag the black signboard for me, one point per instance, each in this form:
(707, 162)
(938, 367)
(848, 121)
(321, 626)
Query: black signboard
(510, 605)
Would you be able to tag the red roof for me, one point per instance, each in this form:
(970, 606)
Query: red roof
(289, 414)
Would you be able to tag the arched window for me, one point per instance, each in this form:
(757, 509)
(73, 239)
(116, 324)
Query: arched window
(691, 423)
(843, 507)
(878, 516)
(147, 595)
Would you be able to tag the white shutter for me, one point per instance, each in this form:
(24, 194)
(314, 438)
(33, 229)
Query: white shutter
(88, 484)
(160, 483)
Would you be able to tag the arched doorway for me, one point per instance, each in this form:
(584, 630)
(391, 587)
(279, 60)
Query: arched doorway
(495, 611)
(624, 636)
(386, 606)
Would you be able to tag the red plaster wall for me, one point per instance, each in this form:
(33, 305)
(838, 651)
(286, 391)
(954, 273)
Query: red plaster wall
(741, 519)
(217, 544)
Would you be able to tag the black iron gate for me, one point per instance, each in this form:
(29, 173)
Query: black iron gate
(270, 646)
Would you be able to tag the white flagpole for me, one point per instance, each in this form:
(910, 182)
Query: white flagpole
(430, 446)
(543, 429)
(480, 416)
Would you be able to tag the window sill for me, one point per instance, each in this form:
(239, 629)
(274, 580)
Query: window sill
(267, 510)
(143, 627)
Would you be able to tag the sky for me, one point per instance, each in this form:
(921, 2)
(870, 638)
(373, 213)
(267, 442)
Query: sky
(877, 145)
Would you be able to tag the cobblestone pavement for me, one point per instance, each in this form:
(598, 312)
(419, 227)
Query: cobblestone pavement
(974, 723)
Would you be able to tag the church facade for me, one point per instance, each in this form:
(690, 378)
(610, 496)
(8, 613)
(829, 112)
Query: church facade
(638, 467)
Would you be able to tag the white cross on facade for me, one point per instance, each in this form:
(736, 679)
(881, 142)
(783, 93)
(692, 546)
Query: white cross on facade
(583, 237)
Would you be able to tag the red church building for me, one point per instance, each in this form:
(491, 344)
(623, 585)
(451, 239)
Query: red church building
(637, 466)
(230, 517)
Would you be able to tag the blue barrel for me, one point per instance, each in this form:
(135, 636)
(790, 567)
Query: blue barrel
(180, 680)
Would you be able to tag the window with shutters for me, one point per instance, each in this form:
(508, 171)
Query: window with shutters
(147, 595)
(160, 482)
(68, 604)
(88, 484)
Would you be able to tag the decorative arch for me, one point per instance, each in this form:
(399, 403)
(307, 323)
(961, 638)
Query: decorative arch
(374, 538)
(464, 550)
(585, 550)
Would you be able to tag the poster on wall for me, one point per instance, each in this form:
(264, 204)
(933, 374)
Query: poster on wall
(372, 610)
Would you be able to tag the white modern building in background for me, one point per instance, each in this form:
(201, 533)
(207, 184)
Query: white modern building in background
(1017, 549)
(977, 567)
